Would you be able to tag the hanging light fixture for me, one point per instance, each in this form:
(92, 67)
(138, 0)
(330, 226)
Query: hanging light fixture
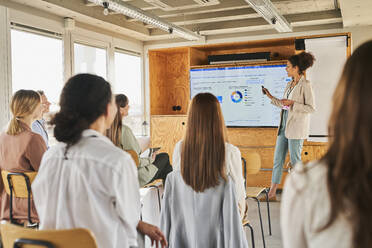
(271, 14)
(136, 13)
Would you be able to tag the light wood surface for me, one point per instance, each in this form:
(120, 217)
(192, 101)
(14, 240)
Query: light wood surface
(169, 82)
(134, 156)
(18, 182)
(72, 238)
(166, 131)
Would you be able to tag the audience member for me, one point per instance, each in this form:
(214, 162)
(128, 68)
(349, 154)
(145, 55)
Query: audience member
(21, 150)
(150, 168)
(200, 207)
(327, 203)
(39, 126)
(85, 181)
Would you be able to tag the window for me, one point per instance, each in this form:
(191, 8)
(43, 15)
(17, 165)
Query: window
(37, 64)
(128, 81)
(89, 59)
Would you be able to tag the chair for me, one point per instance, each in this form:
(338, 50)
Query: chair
(16, 236)
(19, 184)
(155, 184)
(246, 223)
(251, 166)
(134, 156)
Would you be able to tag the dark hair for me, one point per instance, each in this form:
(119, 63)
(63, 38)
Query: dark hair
(303, 61)
(349, 157)
(41, 92)
(121, 100)
(203, 147)
(114, 132)
(83, 100)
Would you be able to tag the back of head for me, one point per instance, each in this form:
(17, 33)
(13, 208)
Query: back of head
(114, 132)
(303, 61)
(349, 157)
(23, 104)
(203, 148)
(83, 100)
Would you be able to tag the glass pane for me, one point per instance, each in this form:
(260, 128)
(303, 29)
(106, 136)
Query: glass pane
(37, 64)
(128, 81)
(89, 59)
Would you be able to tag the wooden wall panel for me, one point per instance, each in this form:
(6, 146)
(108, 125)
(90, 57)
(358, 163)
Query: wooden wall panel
(263, 179)
(198, 57)
(252, 136)
(169, 82)
(166, 131)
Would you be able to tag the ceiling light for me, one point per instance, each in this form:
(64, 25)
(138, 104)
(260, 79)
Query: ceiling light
(136, 13)
(271, 14)
(105, 6)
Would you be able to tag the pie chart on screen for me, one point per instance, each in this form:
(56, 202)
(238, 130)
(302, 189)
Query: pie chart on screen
(236, 96)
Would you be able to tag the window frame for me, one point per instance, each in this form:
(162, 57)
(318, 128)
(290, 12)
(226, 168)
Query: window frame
(92, 42)
(119, 49)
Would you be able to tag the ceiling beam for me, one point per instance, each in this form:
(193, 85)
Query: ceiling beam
(79, 8)
(297, 20)
(224, 5)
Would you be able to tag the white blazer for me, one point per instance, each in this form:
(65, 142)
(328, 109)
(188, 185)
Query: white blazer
(298, 121)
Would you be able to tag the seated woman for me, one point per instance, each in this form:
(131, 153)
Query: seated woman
(21, 150)
(149, 169)
(85, 181)
(327, 203)
(200, 208)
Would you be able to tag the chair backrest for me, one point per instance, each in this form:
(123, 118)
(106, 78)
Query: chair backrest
(69, 238)
(18, 181)
(134, 156)
(253, 163)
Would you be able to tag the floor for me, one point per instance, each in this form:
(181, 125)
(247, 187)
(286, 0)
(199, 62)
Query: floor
(273, 241)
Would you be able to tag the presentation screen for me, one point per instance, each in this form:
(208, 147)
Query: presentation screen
(238, 89)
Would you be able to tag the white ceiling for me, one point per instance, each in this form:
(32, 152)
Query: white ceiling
(212, 17)
(356, 12)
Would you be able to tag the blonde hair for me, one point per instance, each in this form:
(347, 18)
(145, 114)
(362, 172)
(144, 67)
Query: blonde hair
(24, 103)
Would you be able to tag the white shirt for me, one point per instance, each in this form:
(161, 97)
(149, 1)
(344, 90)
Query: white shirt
(233, 163)
(95, 188)
(305, 208)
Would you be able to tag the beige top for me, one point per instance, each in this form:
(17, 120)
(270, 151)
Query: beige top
(298, 121)
(305, 208)
(19, 153)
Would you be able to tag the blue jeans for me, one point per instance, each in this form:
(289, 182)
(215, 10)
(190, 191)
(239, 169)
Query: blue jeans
(281, 149)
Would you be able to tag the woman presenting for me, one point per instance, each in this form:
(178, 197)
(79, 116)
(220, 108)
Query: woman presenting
(297, 105)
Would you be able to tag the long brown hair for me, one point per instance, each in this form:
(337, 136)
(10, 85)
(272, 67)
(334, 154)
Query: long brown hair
(114, 132)
(349, 158)
(23, 104)
(203, 147)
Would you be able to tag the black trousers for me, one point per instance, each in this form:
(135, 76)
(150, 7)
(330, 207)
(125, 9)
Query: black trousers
(164, 167)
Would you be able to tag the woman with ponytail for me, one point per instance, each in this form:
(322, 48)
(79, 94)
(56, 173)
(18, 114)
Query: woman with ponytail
(297, 104)
(21, 150)
(85, 180)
